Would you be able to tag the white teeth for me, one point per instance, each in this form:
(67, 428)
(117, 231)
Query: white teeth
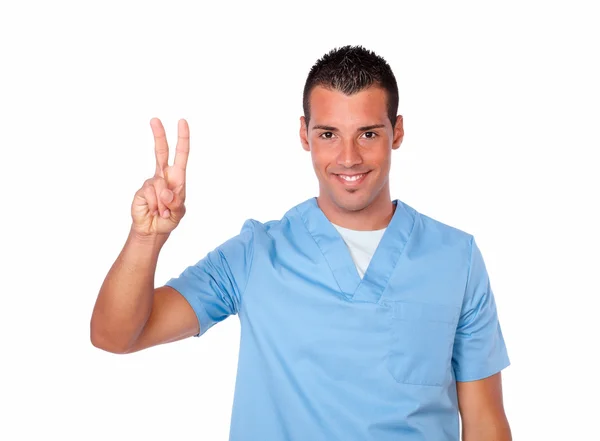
(351, 178)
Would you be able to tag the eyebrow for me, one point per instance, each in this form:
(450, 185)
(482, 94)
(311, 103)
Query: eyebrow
(360, 129)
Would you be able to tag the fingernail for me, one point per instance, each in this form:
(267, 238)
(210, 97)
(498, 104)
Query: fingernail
(166, 213)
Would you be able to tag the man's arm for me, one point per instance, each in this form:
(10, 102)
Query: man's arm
(482, 410)
(129, 314)
(479, 355)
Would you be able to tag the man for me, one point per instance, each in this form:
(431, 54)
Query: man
(361, 319)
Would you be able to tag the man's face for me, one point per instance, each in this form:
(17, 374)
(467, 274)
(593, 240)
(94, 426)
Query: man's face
(350, 139)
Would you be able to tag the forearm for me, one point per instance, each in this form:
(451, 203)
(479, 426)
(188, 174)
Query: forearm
(125, 299)
(496, 429)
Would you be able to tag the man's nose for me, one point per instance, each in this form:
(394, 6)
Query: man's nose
(349, 155)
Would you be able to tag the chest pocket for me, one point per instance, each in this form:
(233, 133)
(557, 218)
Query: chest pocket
(422, 337)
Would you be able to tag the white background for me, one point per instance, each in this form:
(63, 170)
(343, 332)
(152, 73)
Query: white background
(501, 108)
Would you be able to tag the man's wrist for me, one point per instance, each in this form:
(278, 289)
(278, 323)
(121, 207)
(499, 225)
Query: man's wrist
(147, 240)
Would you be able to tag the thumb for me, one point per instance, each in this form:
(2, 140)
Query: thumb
(172, 200)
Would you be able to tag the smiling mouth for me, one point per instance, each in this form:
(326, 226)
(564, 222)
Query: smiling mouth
(351, 180)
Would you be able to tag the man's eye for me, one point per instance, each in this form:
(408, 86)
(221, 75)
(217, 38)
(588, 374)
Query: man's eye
(326, 135)
(372, 135)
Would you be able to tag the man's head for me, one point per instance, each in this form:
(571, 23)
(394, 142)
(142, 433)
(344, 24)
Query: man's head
(350, 127)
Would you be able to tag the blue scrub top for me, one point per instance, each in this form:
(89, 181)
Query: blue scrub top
(326, 355)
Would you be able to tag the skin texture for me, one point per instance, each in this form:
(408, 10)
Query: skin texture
(343, 148)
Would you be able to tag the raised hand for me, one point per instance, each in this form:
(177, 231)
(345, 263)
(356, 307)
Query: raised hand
(158, 206)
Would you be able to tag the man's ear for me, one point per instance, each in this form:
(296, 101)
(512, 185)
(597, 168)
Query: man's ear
(398, 132)
(304, 134)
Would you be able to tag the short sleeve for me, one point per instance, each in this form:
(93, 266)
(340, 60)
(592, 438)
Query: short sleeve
(214, 286)
(479, 348)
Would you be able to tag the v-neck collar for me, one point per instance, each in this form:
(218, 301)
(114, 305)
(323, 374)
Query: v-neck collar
(334, 249)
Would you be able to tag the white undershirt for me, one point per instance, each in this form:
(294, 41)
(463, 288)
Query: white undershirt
(362, 245)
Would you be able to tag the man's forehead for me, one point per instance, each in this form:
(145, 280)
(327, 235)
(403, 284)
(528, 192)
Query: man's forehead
(330, 107)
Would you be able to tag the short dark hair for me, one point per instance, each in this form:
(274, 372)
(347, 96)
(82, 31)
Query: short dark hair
(350, 69)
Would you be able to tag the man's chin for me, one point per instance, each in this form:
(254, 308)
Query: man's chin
(352, 201)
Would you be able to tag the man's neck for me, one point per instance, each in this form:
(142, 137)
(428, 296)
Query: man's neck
(375, 216)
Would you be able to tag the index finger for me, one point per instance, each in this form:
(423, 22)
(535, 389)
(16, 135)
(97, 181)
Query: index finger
(182, 150)
(161, 148)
